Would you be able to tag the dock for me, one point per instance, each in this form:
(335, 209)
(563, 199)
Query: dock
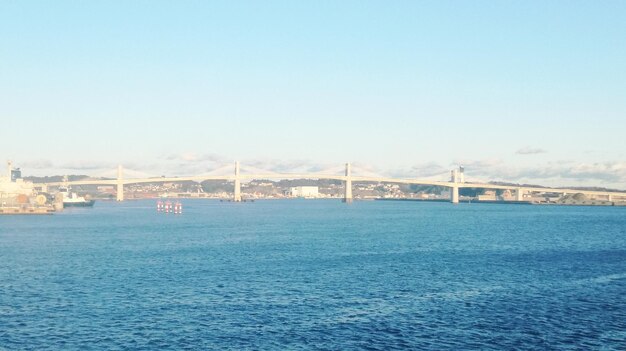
(26, 210)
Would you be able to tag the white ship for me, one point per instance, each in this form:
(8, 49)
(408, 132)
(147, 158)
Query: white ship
(71, 199)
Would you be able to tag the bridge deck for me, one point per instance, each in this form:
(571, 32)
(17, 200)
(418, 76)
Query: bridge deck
(126, 181)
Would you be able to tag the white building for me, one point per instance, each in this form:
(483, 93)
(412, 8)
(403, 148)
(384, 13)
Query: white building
(12, 184)
(304, 191)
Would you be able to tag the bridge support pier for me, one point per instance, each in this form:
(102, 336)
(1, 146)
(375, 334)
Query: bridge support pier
(237, 190)
(609, 197)
(454, 194)
(519, 194)
(347, 196)
(120, 184)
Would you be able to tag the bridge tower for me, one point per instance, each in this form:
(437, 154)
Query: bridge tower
(347, 197)
(237, 192)
(519, 194)
(120, 184)
(454, 189)
(454, 194)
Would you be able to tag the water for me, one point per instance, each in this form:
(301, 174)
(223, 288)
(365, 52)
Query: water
(314, 274)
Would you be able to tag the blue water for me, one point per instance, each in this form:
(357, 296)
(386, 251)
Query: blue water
(315, 274)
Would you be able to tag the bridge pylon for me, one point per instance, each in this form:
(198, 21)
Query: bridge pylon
(347, 196)
(237, 190)
(120, 184)
(455, 177)
(454, 194)
(519, 194)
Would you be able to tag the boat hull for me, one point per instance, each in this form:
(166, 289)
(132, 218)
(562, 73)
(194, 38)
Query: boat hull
(88, 203)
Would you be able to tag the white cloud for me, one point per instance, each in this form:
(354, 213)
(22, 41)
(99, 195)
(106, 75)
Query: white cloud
(37, 164)
(196, 157)
(421, 170)
(286, 166)
(560, 173)
(527, 150)
(83, 165)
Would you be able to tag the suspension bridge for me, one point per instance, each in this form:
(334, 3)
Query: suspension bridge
(455, 182)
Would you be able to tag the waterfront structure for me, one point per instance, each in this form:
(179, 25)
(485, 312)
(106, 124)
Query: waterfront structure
(304, 191)
(12, 184)
(18, 196)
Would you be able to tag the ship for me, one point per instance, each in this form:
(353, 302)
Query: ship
(71, 199)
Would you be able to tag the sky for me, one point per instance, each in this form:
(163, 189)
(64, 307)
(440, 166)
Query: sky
(520, 91)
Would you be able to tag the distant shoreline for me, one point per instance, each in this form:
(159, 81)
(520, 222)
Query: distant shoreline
(512, 202)
(505, 202)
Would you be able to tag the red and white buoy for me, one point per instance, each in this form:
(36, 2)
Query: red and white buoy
(178, 208)
(169, 207)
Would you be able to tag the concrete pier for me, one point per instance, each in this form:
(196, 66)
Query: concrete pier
(27, 210)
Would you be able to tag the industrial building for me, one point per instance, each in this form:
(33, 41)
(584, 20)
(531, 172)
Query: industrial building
(303, 191)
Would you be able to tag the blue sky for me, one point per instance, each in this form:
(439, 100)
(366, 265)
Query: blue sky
(515, 90)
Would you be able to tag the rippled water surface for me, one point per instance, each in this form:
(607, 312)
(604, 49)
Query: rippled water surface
(314, 274)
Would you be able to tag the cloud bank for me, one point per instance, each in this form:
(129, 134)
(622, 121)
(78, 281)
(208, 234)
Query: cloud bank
(530, 151)
(554, 173)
